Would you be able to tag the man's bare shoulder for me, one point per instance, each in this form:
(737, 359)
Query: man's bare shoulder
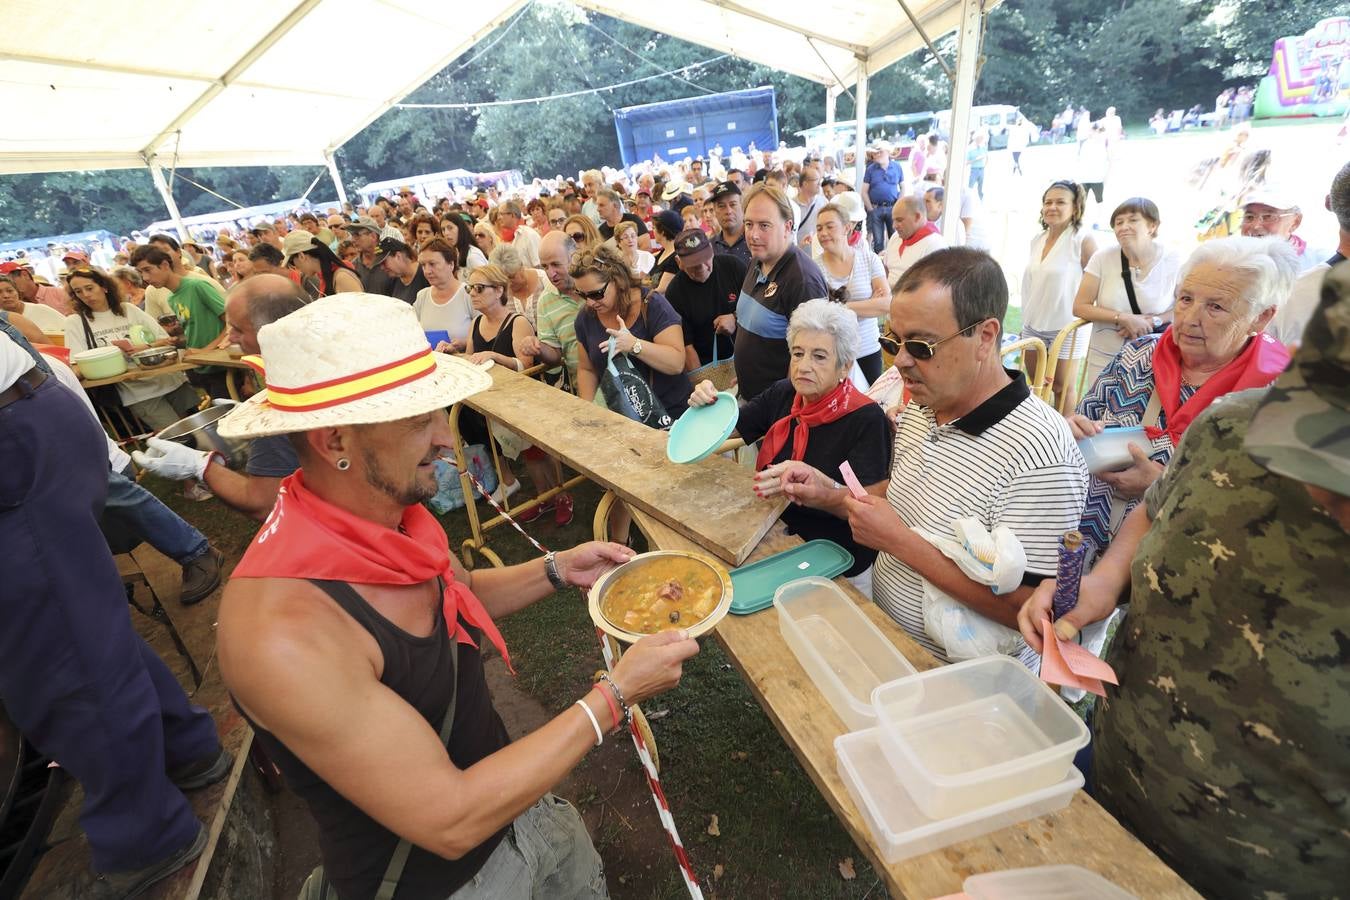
(278, 632)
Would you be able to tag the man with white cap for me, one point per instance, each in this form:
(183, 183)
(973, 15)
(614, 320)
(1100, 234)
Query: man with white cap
(883, 181)
(1270, 211)
(349, 635)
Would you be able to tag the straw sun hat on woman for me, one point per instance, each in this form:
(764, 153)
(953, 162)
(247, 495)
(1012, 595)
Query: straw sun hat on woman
(353, 359)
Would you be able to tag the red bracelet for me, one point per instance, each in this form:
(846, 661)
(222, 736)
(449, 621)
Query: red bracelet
(613, 708)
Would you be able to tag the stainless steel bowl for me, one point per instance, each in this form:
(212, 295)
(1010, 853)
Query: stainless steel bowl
(154, 357)
(199, 429)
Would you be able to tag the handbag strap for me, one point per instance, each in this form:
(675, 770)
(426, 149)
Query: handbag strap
(1129, 283)
(88, 332)
(397, 862)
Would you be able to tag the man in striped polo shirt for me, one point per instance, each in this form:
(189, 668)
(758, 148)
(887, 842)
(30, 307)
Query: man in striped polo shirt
(973, 441)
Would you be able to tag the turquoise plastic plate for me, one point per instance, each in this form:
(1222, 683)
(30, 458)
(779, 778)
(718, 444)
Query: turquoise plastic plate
(753, 586)
(701, 430)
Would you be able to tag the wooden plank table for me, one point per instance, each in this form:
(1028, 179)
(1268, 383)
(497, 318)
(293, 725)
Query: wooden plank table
(710, 506)
(630, 460)
(230, 357)
(1082, 833)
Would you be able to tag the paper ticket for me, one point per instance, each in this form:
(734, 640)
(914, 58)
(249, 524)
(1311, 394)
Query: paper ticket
(851, 481)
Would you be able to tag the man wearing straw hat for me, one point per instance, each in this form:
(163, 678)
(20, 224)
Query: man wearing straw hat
(349, 635)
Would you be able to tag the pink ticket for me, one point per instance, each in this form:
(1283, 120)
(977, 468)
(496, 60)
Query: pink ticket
(854, 486)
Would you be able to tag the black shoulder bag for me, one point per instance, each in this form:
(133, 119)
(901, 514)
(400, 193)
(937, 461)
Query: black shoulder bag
(1129, 291)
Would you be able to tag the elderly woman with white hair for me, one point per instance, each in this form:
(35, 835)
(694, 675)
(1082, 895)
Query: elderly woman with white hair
(817, 416)
(527, 284)
(1227, 292)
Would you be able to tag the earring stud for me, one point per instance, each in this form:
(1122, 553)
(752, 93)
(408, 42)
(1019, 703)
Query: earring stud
(343, 464)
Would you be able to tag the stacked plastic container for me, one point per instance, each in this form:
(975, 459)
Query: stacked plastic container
(936, 757)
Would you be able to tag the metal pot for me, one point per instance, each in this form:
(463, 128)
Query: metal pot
(199, 429)
(154, 357)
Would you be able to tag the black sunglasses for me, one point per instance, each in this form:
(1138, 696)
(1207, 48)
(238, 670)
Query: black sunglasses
(594, 296)
(921, 350)
(576, 236)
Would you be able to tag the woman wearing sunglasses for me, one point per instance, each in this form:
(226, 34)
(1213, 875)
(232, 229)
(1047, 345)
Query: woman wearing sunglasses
(643, 325)
(817, 416)
(857, 280)
(582, 231)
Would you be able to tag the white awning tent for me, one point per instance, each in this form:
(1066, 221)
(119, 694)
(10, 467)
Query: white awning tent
(141, 84)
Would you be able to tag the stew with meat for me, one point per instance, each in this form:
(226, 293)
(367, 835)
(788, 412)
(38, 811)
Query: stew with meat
(664, 593)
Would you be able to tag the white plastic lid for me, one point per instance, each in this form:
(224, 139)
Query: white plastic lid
(1043, 883)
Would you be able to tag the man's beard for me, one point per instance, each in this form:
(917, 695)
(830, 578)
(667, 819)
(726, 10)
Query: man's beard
(407, 494)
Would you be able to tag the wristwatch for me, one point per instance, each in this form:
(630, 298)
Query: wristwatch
(637, 348)
(1157, 322)
(551, 570)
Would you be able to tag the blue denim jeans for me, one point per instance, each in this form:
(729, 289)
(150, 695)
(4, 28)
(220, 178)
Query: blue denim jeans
(161, 527)
(546, 853)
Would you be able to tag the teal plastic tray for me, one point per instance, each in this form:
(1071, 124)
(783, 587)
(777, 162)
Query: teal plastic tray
(753, 586)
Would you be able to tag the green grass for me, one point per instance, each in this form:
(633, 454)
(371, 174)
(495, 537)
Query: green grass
(720, 754)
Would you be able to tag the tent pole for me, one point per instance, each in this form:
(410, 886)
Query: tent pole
(330, 158)
(860, 129)
(157, 175)
(831, 142)
(963, 97)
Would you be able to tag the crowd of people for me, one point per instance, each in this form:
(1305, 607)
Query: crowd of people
(349, 636)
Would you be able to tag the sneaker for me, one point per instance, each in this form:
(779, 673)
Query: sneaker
(197, 490)
(202, 772)
(530, 513)
(201, 576)
(504, 492)
(562, 512)
(126, 885)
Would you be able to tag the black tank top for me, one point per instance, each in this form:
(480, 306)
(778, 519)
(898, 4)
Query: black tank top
(355, 848)
(500, 343)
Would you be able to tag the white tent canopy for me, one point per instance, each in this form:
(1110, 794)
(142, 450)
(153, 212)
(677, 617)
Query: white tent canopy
(141, 83)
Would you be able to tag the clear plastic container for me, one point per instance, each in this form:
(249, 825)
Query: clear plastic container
(902, 829)
(976, 732)
(1110, 450)
(1043, 883)
(844, 653)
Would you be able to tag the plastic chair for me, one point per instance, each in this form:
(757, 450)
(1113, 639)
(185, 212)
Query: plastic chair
(1067, 333)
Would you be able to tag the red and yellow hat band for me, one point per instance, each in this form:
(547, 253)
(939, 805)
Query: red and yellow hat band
(338, 391)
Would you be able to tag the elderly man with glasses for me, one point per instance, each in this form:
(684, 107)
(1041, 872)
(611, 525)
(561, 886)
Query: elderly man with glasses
(1272, 212)
(971, 438)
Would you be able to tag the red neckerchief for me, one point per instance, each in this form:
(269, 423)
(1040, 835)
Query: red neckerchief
(307, 537)
(508, 235)
(835, 405)
(1257, 365)
(1298, 243)
(919, 234)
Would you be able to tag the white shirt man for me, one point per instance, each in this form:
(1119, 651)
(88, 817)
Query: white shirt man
(915, 237)
(510, 220)
(972, 441)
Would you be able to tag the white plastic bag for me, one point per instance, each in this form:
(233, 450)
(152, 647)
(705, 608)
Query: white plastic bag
(995, 559)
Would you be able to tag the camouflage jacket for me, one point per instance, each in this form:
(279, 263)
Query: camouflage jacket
(1226, 747)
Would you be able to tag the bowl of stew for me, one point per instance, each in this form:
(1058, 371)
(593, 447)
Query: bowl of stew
(661, 591)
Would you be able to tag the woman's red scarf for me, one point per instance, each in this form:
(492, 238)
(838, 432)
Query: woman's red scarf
(835, 405)
(307, 537)
(1257, 365)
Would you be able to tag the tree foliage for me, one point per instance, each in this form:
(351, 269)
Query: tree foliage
(1136, 55)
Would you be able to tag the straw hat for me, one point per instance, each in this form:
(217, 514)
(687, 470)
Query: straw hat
(350, 359)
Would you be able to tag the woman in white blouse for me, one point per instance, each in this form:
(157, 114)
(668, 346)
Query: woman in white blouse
(1059, 254)
(527, 284)
(626, 239)
(1104, 297)
(857, 279)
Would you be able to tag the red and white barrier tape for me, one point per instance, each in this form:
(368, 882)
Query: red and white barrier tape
(648, 767)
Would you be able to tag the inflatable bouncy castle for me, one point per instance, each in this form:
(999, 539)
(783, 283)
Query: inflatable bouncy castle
(1309, 73)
